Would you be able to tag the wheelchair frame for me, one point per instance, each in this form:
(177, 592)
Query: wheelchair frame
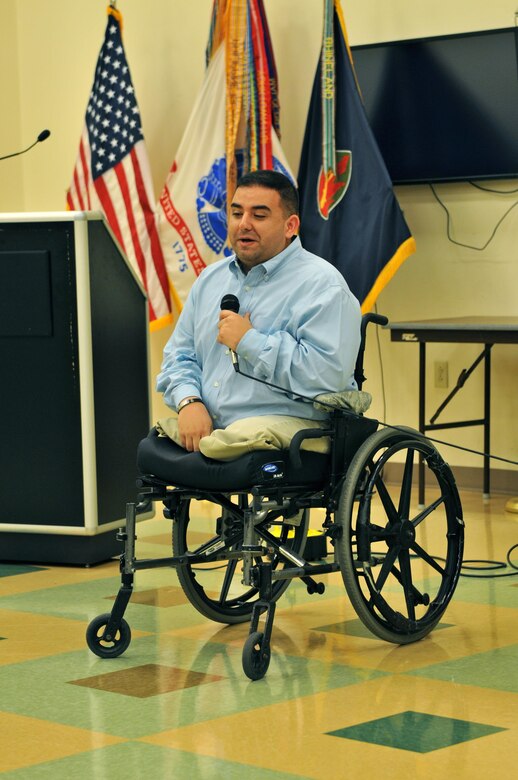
(378, 551)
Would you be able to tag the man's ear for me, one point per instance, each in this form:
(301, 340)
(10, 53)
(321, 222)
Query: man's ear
(292, 226)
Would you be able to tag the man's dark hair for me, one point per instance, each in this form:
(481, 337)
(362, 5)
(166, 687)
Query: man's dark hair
(274, 180)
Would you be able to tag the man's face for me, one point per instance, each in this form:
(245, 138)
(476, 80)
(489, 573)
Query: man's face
(259, 227)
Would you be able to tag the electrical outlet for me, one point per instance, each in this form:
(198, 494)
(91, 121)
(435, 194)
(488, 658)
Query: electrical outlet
(441, 373)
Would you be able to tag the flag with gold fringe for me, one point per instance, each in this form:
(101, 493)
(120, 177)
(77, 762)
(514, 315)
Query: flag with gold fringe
(233, 129)
(349, 213)
(112, 173)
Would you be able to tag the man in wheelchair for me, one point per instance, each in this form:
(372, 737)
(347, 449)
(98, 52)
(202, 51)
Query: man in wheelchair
(267, 423)
(299, 328)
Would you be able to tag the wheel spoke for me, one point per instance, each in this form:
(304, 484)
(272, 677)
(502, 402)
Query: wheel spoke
(387, 502)
(406, 581)
(427, 557)
(428, 511)
(227, 580)
(205, 546)
(406, 486)
(386, 567)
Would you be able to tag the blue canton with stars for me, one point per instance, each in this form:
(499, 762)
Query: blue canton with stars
(112, 116)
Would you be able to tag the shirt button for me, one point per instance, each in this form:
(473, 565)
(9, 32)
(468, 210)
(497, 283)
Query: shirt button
(247, 288)
(216, 384)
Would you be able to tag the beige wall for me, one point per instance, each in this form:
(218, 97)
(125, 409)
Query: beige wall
(48, 52)
(11, 183)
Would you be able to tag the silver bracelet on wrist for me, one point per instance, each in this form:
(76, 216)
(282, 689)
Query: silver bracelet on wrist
(186, 402)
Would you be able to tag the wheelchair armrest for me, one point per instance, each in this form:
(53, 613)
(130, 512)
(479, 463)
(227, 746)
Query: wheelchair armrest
(307, 433)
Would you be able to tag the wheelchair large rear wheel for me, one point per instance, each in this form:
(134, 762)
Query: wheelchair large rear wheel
(400, 562)
(215, 588)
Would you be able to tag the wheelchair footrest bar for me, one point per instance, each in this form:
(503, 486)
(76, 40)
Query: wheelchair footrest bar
(180, 560)
(309, 570)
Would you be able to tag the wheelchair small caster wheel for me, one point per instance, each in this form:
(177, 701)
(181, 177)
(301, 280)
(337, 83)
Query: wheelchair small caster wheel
(103, 646)
(256, 659)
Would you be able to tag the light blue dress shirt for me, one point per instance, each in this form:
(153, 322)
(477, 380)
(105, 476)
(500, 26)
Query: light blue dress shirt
(305, 337)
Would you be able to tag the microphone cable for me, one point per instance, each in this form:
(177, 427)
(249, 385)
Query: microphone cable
(231, 303)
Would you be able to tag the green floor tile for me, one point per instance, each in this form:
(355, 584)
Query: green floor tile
(494, 591)
(347, 627)
(357, 628)
(416, 731)
(496, 669)
(138, 759)
(41, 688)
(10, 569)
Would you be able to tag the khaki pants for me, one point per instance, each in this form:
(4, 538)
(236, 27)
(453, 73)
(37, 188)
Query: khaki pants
(266, 432)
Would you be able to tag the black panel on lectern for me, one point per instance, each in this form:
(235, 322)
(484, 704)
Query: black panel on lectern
(40, 439)
(25, 276)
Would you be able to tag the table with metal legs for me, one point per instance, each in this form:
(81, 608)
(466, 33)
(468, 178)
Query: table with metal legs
(460, 330)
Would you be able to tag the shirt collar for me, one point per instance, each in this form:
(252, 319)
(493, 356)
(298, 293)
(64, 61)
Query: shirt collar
(269, 267)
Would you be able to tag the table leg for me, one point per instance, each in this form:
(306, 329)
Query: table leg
(487, 416)
(422, 399)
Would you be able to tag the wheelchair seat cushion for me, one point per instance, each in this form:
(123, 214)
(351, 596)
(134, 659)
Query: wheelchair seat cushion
(159, 457)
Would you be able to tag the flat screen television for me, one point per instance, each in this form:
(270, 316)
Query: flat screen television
(444, 108)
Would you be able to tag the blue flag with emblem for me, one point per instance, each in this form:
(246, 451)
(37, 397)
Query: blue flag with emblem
(349, 213)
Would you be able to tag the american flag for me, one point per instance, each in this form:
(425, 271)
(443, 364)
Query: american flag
(112, 171)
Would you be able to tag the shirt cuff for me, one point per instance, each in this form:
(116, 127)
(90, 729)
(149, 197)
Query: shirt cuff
(251, 345)
(181, 392)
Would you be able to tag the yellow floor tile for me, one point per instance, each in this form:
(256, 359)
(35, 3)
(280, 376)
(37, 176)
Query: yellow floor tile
(27, 741)
(292, 736)
(28, 636)
(55, 576)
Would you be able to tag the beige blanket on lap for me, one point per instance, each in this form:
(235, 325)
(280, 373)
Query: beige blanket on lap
(267, 432)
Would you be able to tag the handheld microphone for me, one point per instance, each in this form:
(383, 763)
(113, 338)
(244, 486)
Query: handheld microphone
(231, 303)
(42, 137)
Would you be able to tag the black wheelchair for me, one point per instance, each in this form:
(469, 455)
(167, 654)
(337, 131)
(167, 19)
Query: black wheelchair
(399, 561)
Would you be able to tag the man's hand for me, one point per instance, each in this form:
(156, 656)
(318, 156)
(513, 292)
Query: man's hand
(194, 422)
(232, 328)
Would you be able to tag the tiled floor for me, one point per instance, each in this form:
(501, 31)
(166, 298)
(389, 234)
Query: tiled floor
(336, 702)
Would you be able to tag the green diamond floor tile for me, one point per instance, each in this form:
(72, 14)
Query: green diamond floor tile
(416, 731)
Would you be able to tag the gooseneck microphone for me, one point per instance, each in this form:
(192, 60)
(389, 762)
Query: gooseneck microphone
(231, 303)
(42, 137)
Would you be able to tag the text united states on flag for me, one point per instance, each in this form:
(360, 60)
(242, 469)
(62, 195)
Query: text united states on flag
(112, 172)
